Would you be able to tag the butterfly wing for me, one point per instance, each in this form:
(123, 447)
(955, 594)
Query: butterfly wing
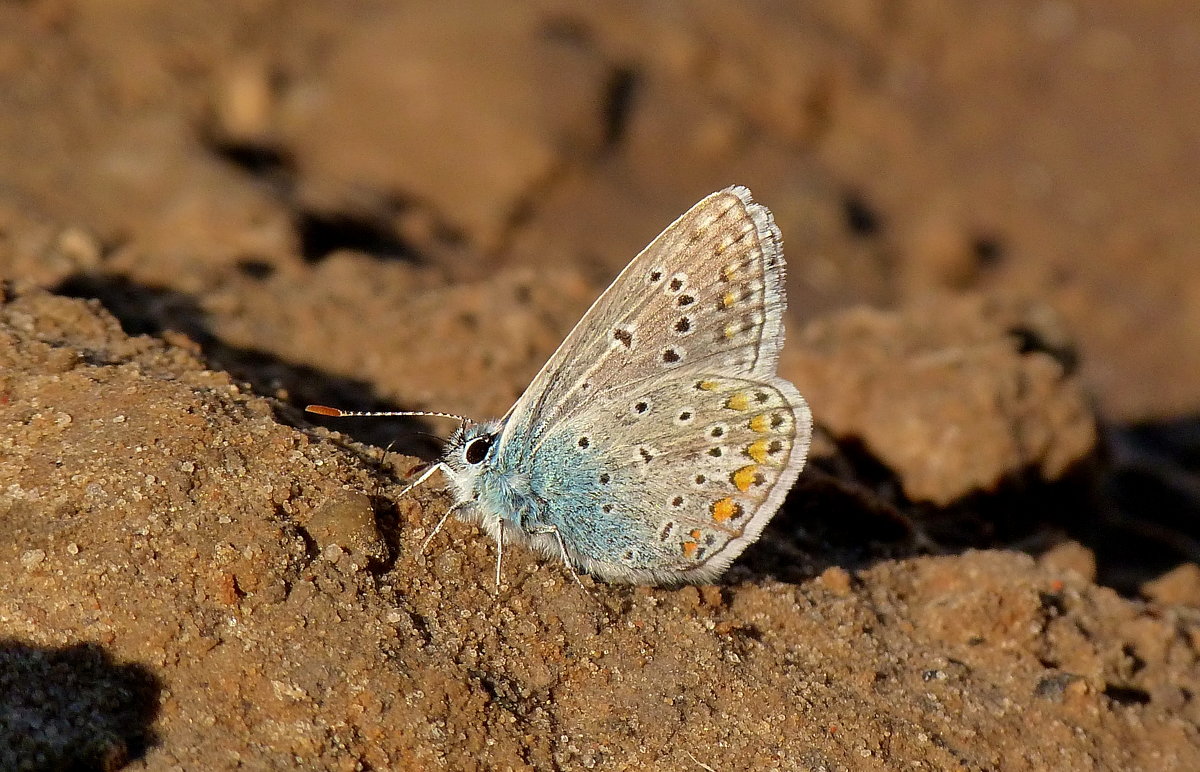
(659, 433)
(706, 294)
(672, 481)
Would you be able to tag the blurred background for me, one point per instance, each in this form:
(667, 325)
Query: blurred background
(408, 204)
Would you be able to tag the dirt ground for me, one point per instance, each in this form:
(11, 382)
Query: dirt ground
(212, 214)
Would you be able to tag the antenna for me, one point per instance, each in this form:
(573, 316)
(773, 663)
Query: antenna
(334, 412)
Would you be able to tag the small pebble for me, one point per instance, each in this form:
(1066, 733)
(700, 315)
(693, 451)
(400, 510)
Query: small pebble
(1180, 585)
(836, 580)
(348, 520)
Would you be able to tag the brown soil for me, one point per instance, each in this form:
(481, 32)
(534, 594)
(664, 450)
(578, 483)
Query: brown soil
(214, 213)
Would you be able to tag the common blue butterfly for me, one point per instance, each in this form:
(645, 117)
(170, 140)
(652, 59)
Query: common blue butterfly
(658, 440)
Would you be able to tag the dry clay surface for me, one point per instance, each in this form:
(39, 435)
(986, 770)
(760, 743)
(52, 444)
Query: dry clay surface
(245, 603)
(214, 213)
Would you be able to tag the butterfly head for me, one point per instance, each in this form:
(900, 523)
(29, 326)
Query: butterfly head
(470, 463)
(471, 447)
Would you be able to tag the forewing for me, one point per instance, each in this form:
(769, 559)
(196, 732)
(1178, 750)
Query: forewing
(705, 296)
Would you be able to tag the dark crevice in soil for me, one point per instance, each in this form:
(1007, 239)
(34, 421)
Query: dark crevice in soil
(312, 550)
(1030, 340)
(256, 160)
(324, 233)
(253, 268)
(860, 217)
(1127, 695)
(988, 250)
(1153, 522)
(619, 95)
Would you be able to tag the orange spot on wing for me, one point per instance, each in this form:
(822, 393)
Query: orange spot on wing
(725, 509)
(760, 423)
(738, 401)
(759, 450)
(745, 477)
(689, 548)
(728, 299)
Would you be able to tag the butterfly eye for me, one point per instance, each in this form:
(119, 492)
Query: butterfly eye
(477, 449)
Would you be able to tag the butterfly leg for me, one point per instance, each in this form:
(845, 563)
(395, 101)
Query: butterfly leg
(562, 548)
(423, 477)
(440, 523)
(499, 553)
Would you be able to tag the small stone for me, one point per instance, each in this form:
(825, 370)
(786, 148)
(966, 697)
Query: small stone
(1180, 585)
(837, 580)
(31, 558)
(1054, 687)
(245, 101)
(1071, 556)
(348, 520)
(79, 246)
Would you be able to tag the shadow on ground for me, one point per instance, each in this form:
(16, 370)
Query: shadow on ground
(145, 310)
(73, 708)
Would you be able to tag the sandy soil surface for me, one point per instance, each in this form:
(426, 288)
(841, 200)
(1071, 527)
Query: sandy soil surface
(214, 213)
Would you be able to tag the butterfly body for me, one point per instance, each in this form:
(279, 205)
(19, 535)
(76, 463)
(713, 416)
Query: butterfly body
(657, 442)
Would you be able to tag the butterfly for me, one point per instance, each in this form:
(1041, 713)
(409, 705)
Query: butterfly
(658, 440)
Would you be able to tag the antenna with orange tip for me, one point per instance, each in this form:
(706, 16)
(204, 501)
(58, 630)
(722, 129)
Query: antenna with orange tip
(334, 412)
